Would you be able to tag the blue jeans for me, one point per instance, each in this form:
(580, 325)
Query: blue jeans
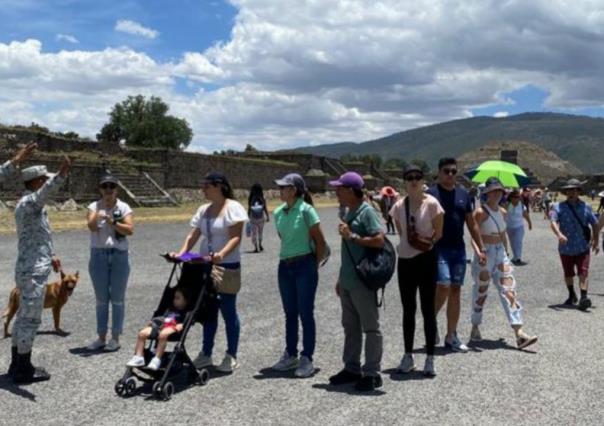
(516, 235)
(228, 308)
(298, 282)
(109, 270)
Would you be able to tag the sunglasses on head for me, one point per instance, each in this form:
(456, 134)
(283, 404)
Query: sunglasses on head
(448, 171)
(108, 185)
(413, 177)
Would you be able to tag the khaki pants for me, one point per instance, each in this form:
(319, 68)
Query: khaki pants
(360, 316)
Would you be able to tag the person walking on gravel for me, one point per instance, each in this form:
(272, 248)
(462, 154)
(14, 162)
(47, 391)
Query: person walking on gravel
(35, 261)
(258, 213)
(517, 213)
(451, 248)
(497, 267)
(575, 227)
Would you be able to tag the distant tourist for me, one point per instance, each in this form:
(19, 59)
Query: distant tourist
(601, 206)
(360, 316)
(592, 193)
(419, 221)
(258, 213)
(517, 213)
(110, 223)
(219, 223)
(451, 248)
(574, 224)
(497, 267)
(546, 202)
(298, 224)
(388, 199)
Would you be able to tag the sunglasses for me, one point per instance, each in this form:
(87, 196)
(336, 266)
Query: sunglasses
(413, 178)
(450, 172)
(108, 186)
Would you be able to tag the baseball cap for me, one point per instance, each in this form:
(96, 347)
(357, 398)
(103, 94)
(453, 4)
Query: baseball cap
(349, 179)
(215, 178)
(292, 179)
(107, 179)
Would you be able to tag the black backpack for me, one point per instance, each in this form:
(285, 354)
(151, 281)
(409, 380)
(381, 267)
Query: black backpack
(376, 266)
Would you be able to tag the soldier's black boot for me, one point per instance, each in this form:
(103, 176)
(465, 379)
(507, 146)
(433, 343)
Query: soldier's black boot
(26, 372)
(13, 361)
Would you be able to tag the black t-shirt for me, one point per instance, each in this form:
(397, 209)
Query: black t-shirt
(457, 204)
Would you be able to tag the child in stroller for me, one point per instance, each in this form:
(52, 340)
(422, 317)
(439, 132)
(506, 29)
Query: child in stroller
(160, 329)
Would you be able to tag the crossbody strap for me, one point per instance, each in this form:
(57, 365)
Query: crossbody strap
(574, 212)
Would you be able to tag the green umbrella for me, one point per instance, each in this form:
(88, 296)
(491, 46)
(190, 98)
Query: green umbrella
(509, 174)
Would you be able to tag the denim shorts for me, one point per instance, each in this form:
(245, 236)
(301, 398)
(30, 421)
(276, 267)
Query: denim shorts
(451, 266)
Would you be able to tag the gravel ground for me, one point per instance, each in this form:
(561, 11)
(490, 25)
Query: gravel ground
(560, 381)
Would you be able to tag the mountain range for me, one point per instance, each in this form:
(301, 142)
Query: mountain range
(574, 138)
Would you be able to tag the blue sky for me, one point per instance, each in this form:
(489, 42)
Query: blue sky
(285, 73)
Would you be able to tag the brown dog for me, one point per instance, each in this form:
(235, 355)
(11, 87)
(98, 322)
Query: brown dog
(56, 296)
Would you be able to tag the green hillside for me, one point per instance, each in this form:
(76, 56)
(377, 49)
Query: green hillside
(578, 139)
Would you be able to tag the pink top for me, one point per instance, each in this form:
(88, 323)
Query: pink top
(429, 209)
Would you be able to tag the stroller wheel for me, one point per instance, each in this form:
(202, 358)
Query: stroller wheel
(157, 390)
(130, 385)
(120, 387)
(204, 376)
(168, 391)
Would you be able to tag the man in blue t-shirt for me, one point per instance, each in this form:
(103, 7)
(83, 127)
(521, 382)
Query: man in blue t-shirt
(575, 226)
(451, 248)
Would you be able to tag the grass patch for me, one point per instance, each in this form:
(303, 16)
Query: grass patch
(69, 221)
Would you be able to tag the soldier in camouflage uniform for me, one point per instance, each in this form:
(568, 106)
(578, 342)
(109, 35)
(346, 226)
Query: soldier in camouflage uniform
(34, 263)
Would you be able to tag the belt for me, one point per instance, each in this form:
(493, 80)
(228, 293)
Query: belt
(293, 259)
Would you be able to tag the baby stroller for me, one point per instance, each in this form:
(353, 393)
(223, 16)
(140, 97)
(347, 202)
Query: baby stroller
(194, 278)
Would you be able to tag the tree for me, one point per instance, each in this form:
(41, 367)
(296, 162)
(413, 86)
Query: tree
(249, 148)
(395, 163)
(145, 123)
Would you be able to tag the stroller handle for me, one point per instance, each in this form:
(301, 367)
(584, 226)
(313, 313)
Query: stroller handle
(186, 258)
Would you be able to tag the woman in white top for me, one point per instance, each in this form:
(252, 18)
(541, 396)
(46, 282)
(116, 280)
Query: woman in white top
(517, 213)
(110, 222)
(497, 268)
(219, 223)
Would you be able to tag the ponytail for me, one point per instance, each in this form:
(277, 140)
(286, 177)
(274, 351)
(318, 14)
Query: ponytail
(308, 198)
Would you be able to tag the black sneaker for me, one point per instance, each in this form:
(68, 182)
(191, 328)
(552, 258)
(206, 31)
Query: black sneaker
(368, 383)
(572, 300)
(344, 377)
(584, 303)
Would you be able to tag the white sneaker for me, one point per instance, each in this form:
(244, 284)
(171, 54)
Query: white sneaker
(407, 364)
(154, 364)
(97, 345)
(475, 335)
(136, 361)
(305, 367)
(228, 364)
(202, 361)
(112, 345)
(429, 366)
(286, 363)
(456, 345)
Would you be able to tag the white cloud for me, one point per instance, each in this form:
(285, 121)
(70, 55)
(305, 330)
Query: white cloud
(315, 71)
(68, 38)
(501, 114)
(131, 27)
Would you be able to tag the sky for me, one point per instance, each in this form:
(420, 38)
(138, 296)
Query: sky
(284, 73)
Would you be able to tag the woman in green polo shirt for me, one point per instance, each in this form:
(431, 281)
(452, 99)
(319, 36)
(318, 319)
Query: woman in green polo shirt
(297, 223)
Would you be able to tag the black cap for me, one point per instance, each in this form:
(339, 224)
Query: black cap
(107, 179)
(215, 178)
(411, 168)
